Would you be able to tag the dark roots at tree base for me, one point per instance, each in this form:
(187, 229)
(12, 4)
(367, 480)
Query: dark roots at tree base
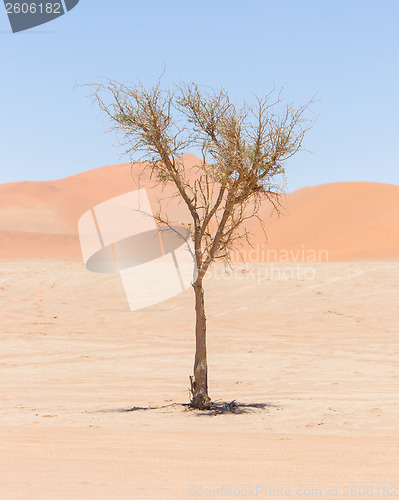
(199, 399)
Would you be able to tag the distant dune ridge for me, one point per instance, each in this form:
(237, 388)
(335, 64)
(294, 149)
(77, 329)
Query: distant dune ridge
(336, 222)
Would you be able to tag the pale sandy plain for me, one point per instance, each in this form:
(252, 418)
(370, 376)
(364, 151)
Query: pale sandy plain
(93, 396)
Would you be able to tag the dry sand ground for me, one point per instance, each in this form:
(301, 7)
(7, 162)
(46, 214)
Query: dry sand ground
(321, 353)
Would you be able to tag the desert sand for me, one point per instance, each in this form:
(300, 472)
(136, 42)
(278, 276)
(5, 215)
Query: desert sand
(349, 220)
(94, 397)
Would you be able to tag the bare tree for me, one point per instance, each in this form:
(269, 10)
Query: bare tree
(244, 150)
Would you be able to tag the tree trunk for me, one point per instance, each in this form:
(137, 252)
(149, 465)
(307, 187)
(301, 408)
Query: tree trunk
(199, 382)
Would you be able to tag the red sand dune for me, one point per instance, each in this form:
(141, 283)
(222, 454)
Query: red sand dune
(350, 221)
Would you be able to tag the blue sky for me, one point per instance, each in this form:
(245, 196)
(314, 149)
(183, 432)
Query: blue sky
(346, 51)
